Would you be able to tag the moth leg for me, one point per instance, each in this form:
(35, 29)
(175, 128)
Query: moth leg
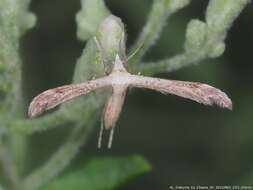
(110, 138)
(100, 135)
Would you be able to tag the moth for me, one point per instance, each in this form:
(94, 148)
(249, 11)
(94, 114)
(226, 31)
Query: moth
(119, 80)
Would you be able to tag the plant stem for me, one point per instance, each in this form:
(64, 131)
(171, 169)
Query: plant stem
(219, 18)
(61, 158)
(167, 65)
(30, 126)
(9, 167)
(159, 14)
(15, 20)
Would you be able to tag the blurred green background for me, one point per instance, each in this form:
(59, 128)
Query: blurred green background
(186, 143)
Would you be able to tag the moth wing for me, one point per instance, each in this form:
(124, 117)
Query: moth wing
(201, 93)
(53, 97)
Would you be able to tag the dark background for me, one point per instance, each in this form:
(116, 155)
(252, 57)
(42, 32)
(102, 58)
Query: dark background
(186, 143)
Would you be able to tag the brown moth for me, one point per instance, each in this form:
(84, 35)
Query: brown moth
(119, 80)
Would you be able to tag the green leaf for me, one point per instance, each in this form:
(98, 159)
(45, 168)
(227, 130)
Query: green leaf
(101, 174)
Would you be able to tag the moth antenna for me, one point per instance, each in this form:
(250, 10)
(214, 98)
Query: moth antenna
(100, 135)
(135, 51)
(110, 138)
